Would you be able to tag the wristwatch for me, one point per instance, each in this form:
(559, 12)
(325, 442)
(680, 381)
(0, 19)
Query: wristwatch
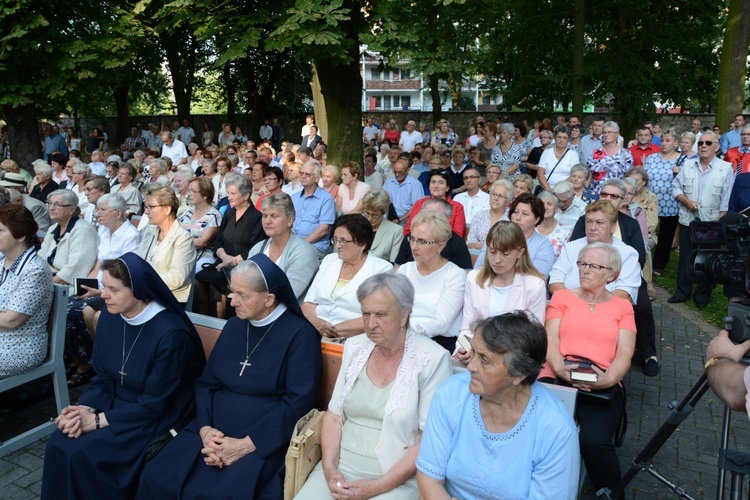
(96, 420)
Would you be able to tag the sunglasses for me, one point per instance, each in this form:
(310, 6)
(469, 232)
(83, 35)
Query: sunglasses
(707, 143)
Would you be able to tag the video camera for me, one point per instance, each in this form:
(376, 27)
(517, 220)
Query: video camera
(722, 256)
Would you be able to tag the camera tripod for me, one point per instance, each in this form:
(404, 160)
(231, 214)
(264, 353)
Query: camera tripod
(737, 463)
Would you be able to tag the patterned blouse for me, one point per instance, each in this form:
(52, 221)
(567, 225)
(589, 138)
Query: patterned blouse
(25, 288)
(660, 178)
(604, 167)
(509, 158)
(449, 141)
(212, 218)
(480, 227)
(559, 237)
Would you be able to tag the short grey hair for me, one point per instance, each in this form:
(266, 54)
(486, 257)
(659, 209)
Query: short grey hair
(519, 338)
(544, 195)
(580, 168)
(671, 133)
(508, 127)
(434, 204)
(438, 222)
(69, 196)
(114, 201)
(563, 187)
(43, 168)
(614, 261)
(315, 165)
(239, 181)
(629, 181)
(279, 201)
(613, 125)
(161, 165)
(618, 184)
(640, 172)
(397, 284)
(505, 184)
(376, 199)
(82, 168)
(711, 132)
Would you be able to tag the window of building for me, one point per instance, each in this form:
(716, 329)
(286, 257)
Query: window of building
(406, 101)
(405, 74)
(375, 74)
(378, 103)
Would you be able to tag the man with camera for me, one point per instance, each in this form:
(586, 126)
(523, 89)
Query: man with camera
(703, 188)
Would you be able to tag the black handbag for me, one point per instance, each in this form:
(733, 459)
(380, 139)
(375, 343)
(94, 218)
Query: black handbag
(539, 188)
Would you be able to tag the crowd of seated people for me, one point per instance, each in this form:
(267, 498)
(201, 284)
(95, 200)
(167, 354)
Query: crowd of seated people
(261, 234)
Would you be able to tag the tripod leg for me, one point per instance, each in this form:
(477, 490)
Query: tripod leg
(675, 417)
(723, 446)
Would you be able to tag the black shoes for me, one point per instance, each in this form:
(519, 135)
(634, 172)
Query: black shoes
(650, 367)
(676, 300)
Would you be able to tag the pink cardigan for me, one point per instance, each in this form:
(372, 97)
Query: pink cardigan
(529, 294)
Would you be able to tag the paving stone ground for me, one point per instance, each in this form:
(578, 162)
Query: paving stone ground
(688, 458)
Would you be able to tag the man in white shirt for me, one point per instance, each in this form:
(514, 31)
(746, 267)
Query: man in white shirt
(570, 211)
(173, 149)
(409, 137)
(186, 134)
(474, 200)
(266, 132)
(97, 166)
(370, 131)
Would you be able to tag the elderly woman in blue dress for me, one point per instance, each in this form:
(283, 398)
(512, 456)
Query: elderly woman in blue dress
(25, 293)
(373, 426)
(262, 376)
(147, 356)
(495, 432)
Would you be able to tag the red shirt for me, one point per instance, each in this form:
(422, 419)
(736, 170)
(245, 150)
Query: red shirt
(640, 154)
(734, 156)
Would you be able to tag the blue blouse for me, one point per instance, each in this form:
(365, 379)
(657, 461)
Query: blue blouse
(537, 458)
(660, 178)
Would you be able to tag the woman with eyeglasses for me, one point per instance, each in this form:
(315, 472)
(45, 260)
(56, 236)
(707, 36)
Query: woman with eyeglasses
(125, 175)
(331, 303)
(68, 242)
(501, 195)
(273, 179)
(165, 244)
(388, 235)
(589, 324)
(351, 190)
(611, 161)
(439, 284)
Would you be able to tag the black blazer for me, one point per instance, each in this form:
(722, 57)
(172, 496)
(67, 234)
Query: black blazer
(629, 229)
(314, 142)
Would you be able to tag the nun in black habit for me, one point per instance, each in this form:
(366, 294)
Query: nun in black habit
(147, 356)
(261, 378)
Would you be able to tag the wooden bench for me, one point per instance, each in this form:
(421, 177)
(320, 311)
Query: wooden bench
(210, 328)
(53, 365)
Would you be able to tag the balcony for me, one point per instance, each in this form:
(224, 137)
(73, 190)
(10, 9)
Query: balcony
(393, 84)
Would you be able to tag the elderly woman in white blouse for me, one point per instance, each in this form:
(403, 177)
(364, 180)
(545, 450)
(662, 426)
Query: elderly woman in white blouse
(439, 283)
(331, 303)
(373, 427)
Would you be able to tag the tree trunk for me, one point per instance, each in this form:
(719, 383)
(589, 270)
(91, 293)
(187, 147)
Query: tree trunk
(338, 113)
(455, 91)
(23, 134)
(437, 106)
(181, 67)
(578, 35)
(733, 64)
(319, 105)
(123, 122)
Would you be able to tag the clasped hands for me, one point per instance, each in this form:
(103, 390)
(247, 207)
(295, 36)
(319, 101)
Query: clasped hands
(327, 329)
(74, 421)
(220, 450)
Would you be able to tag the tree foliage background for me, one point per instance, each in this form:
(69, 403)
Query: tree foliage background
(266, 57)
